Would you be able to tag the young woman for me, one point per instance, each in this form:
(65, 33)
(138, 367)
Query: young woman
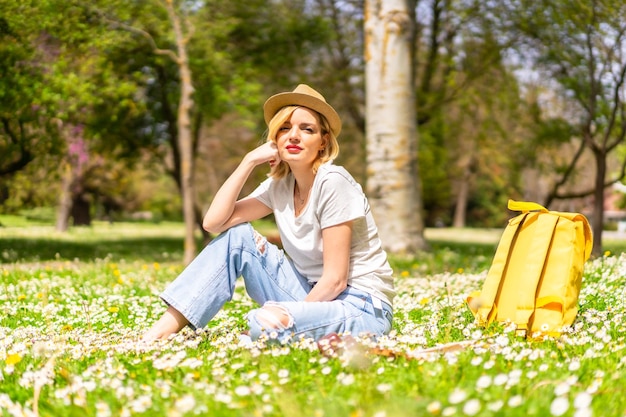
(333, 275)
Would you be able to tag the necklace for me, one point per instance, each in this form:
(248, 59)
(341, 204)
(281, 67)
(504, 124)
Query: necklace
(301, 200)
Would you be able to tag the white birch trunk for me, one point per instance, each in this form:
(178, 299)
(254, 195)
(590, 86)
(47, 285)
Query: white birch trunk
(393, 186)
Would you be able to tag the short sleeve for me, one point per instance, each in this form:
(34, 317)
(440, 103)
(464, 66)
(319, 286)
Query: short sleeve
(341, 199)
(263, 193)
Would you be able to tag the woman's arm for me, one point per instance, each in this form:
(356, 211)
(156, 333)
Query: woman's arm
(225, 211)
(337, 241)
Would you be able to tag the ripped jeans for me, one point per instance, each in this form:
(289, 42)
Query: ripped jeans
(271, 280)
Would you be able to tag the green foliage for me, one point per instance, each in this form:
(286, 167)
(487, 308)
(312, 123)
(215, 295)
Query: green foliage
(434, 172)
(279, 36)
(27, 128)
(487, 203)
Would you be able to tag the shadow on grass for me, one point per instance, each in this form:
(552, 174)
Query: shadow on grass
(463, 257)
(147, 249)
(443, 256)
(446, 256)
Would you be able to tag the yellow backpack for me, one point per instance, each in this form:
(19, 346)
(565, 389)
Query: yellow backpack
(536, 274)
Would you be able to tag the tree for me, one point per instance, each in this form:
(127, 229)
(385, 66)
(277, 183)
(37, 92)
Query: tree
(238, 50)
(181, 32)
(468, 112)
(60, 106)
(79, 83)
(581, 46)
(488, 127)
(393, 182)
(185, 138)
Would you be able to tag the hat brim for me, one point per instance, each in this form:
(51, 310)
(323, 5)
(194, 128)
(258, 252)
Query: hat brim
(280, 100)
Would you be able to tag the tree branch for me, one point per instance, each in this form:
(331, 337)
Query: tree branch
(617, 105)
(554, 193)
(591, 191)
(146, 35)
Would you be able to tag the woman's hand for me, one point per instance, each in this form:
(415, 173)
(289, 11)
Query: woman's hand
(225, 210)
(268, 152)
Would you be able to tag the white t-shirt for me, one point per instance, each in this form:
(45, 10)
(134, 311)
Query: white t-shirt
(335, 198)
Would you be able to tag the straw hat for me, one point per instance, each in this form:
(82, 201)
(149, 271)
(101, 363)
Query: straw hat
(303, 96)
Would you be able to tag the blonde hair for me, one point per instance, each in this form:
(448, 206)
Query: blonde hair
(328, 153)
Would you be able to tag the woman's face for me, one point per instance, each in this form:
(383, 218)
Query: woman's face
(299, 139)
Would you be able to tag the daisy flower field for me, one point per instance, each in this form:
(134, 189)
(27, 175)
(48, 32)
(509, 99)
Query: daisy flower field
(73, 308)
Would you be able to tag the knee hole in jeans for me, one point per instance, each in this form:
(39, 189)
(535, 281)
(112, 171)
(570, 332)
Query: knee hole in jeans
(260, 241)
(274, 317)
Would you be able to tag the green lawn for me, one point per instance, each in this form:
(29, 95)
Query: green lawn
(72, 307)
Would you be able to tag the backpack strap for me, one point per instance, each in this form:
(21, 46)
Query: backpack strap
(536, 256)
(483, 303)
(486, 309)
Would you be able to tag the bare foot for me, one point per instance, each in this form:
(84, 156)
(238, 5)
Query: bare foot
(172, 321)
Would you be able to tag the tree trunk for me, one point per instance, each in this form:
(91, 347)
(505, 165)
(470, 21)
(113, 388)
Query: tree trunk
(393, 185)
(81, 211)
(460, 208)
(65, 200)
(185, 139)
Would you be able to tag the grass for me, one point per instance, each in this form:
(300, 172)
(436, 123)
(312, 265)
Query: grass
(128, 241)
(72, 307)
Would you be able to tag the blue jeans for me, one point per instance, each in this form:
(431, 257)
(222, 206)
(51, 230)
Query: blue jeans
(208, 282)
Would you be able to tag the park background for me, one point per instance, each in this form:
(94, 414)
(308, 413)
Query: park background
(116, 110)
(120, 119)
